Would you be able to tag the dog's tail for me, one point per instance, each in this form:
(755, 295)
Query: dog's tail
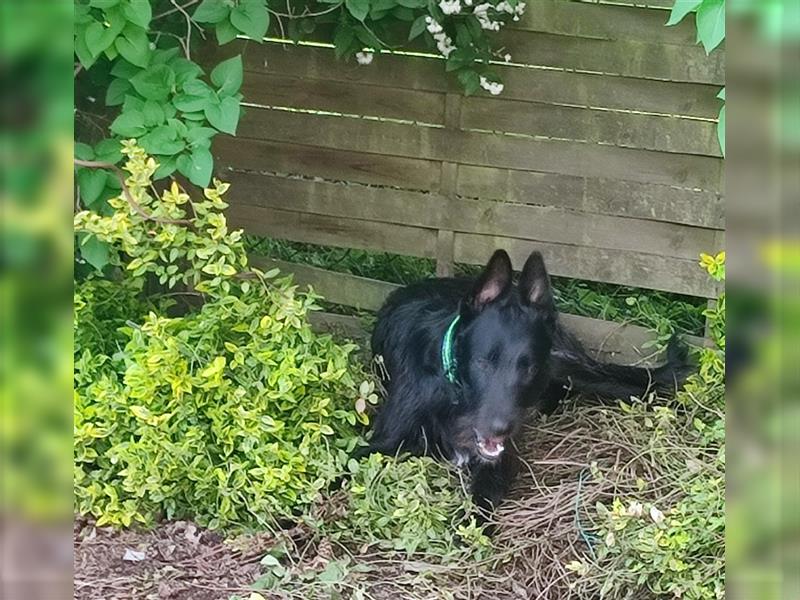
(578, 373)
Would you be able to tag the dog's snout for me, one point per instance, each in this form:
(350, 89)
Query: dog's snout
(501, 427)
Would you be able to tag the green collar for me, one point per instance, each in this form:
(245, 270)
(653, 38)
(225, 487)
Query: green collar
(449, 353)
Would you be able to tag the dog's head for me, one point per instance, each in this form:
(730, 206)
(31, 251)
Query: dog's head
(502, 350)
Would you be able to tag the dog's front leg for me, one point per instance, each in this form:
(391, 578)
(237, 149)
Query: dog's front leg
(492, 481)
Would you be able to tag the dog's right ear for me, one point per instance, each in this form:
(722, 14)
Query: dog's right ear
(534, 283)
(493, 283)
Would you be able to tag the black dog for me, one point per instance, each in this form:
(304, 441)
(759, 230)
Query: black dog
(464, 360)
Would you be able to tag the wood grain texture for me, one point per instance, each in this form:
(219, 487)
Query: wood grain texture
(629, 130)
(606, 22)
(312, 161)
(485, 149)
(521, 83)
(648, 271)
(435, 211)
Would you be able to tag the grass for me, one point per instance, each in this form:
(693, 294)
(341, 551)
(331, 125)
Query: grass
(661, 311)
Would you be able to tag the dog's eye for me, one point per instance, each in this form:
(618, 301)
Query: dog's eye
(483, 363)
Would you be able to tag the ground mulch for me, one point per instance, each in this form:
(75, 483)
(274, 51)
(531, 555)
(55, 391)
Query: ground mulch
(173, 561)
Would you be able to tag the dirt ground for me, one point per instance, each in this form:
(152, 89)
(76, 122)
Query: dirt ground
(174, 561)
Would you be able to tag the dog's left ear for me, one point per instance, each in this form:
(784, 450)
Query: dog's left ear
(493, 283)
(534, 283)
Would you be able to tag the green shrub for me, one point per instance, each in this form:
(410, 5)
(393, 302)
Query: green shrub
(410, 505)
(233, 413)
(673, 541)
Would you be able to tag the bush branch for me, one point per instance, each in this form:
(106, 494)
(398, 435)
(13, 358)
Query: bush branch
(95, 164)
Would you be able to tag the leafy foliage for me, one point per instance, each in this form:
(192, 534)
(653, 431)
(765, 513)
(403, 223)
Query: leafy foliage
(232, 413)
(675, 549)
(413, 505)
(710, 22)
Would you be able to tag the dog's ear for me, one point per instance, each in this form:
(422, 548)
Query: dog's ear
(493, 283)
(534, 283)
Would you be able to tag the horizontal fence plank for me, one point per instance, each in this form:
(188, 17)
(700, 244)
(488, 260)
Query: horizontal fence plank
(651, 132)
(339, 288)
(350, 97)
(526, 84)
(594, 195)
(618, 57)
(483, 149)
(332, 231)
(591, 195)
(648, 271)
(337, 165)
(616, 340)
(604, 21)
(435, 211)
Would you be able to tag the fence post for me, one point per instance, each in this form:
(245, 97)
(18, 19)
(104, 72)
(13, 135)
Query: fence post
(447, 187)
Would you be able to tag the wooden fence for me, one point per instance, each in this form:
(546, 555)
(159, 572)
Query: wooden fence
(601, 152)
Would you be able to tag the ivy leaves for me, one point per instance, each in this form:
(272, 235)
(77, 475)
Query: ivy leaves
(710, 22)
(248, 17)
(709, 19)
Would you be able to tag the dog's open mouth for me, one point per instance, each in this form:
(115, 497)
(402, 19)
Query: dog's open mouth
(491, 448)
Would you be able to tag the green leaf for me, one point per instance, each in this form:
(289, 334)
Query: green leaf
(153, 113)
(81, 51)
(227, 32)
(129, 124)
(357, 8)
(200, 136)
(417, 27)
(403, 14)
(202, 164)
(721, 94)
(155, 83)
(211, 11)
(711, 23)
(138, 11)
(227, 76)
(91, 182)
(108, 151)
(83, 151)
(96, 40)
(133, 103)
(103, 3)
(94, 251)
(187, 103)
(251, 18)
(116, 92)
(134, 46)
(225, 115)
(413, 3)
(124, 70)
(721, 130)
(343, 39)
(680, 9)
(185, 70)
(470, 80)
(166, 166)
(162, 140)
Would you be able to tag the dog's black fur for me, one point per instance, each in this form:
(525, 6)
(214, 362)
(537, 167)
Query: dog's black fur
(511, 354)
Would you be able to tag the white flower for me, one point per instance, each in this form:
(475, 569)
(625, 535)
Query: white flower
(450, 7)
(656, 515)
(364, 58)
(504, 7)
(635, 509)
(507, 58)
(468, 2)
(492, 87)
(433, 27)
